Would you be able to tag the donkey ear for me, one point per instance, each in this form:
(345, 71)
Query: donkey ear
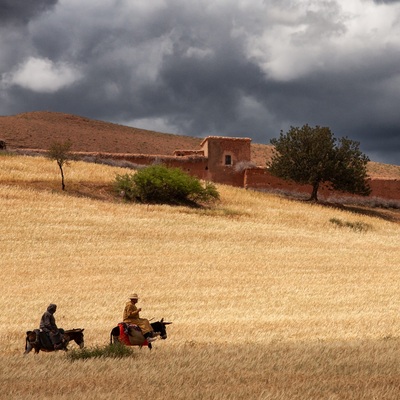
(167, 323)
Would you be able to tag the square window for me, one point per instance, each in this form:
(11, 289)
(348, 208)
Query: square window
(228, 159)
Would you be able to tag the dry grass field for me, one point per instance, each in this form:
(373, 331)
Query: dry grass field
(269, 298)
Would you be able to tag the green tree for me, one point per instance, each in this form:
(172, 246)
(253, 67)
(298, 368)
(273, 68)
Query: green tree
(61, 153)
(312, 155)
(159, 184)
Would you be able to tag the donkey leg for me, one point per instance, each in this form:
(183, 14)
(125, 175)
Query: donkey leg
(28, 348)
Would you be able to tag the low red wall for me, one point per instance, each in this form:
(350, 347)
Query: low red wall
(193, 165)
(227, 176)
(260, 178)
(386, 188)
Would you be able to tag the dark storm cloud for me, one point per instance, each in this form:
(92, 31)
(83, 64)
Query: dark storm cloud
(386, 1)
(21, 11)
(213, 68)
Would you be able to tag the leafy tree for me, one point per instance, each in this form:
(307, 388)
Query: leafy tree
(312, 155)
(61, 152)
(159, 184)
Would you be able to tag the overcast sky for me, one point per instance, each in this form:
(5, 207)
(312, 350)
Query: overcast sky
(246, 68)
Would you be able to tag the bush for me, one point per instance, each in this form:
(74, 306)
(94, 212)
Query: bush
(116, 350)
(355, 226)
(162, 185)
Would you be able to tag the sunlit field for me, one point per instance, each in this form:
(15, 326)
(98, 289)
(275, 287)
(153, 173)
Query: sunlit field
(269, 298)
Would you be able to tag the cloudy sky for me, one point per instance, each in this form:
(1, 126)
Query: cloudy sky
(210, 67)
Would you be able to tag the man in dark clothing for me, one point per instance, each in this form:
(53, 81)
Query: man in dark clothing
(48, 325)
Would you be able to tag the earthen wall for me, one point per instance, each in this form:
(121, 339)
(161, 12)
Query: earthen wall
(260, 178)
(385, 188)
(193, 165)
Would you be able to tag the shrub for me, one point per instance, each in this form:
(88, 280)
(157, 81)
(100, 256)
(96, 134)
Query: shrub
(116, 350)
(159, 184)
(355, 226)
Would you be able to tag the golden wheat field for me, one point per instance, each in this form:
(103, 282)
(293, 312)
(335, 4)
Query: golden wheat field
(269, 299)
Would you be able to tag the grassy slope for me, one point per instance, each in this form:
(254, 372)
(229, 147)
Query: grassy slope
(269, 299)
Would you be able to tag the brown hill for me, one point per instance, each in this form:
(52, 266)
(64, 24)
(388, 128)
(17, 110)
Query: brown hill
(38, 130)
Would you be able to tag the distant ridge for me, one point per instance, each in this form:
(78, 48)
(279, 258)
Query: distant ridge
(39, 129)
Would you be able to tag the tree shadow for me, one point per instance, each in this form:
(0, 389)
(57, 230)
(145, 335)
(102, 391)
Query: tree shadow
(390, 215)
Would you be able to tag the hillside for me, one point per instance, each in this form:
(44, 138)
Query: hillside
(39, 129)
(269, 298)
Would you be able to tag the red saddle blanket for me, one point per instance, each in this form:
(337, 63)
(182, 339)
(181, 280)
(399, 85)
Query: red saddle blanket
(131, 335)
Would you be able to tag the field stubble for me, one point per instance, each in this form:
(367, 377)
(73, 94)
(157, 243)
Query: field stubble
(268, 298)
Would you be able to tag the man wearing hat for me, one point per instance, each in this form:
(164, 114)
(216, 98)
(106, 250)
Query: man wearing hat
(131, 316)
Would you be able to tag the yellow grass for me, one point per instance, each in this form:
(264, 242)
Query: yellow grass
(268, 298)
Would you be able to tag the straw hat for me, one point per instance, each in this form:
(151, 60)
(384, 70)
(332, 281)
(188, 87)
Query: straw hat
(134, 296)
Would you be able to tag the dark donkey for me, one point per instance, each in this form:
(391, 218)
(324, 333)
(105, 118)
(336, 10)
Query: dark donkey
(131, 335)
(38, 340)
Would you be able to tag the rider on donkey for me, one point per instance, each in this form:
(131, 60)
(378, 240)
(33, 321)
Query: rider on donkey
(48, 325)
(131, 316)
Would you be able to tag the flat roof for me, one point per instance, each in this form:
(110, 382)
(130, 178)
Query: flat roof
(225, 138)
